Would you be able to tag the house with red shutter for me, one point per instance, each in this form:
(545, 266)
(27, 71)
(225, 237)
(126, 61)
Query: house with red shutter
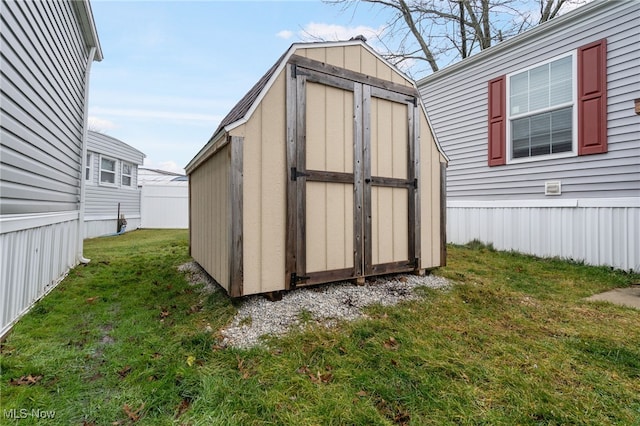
(543, 136)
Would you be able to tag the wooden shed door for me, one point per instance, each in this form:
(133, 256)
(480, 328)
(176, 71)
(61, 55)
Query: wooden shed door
(391, 198)
(351, 195)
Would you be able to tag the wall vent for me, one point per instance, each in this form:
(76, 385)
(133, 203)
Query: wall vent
(553, 187)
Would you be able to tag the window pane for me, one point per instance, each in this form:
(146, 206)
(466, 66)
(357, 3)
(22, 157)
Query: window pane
(541, 134)
(107, 177)
(107, 164)
(126, 169)
(561, 125)
(126, 180)
(539, 86)
(519, 87)
(561, 81)
(520, 137)
(560, 93)
(87, 173)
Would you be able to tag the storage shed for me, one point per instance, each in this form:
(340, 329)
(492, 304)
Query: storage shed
(326, 170)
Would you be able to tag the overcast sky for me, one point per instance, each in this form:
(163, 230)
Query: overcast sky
(172, 70)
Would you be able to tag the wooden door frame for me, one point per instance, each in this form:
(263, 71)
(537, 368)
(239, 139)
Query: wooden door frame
(300, 71)
(410, 183)
(297, 79)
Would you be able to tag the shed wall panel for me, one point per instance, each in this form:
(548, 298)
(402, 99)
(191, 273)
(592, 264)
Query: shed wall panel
(430, 208)
(210, 243)
(329, 221)
(355, 58)
(389, 225)
(264, 193)
(273, 188)
(330, 126)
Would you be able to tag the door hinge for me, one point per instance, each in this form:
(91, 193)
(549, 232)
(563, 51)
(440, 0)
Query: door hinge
(414, 101)
(295, 279)
(294, 71)
(295, 174)
(415, 183)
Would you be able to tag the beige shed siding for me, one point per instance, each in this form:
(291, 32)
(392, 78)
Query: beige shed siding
(355, 58)
(389, 210)
(388, 123)
(430, 160)
(329, 206)
(329, 221)
(210, 215)
(332, 124)
(389, 225)
(264, 193)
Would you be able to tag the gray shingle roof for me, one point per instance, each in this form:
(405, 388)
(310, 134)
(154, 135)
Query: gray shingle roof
(243, 106)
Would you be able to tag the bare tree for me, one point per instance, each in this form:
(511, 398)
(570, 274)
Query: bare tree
(440, 32)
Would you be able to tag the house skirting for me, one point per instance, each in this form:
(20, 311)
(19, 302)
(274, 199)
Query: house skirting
(36, 252)
(102, 226)
(595, 231)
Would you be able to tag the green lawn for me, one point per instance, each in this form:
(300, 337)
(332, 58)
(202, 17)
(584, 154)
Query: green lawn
(124, 340)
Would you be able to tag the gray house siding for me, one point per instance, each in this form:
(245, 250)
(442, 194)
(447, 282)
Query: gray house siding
(609, 183)
(101, 207)
(47, 50)
(42, 107)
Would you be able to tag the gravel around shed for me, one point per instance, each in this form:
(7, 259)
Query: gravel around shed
(326, 304)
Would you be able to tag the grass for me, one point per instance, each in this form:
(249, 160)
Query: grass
(125, 340)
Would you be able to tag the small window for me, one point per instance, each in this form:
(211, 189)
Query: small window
(107, 171)
(127, 171)
(87, 168)
(541, 110)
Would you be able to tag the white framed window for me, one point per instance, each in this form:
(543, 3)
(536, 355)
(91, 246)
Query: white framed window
(88, 168)
(127, 174)
(541, 111)
(108, 171)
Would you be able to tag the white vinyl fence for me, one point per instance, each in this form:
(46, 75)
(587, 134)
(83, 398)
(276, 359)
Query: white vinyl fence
(165, 206)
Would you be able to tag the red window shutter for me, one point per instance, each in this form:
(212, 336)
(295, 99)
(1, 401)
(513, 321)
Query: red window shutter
(497, 122)
(592, 98)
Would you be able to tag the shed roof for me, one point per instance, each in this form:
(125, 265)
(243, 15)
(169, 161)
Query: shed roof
(243, 110)
(243, 106)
